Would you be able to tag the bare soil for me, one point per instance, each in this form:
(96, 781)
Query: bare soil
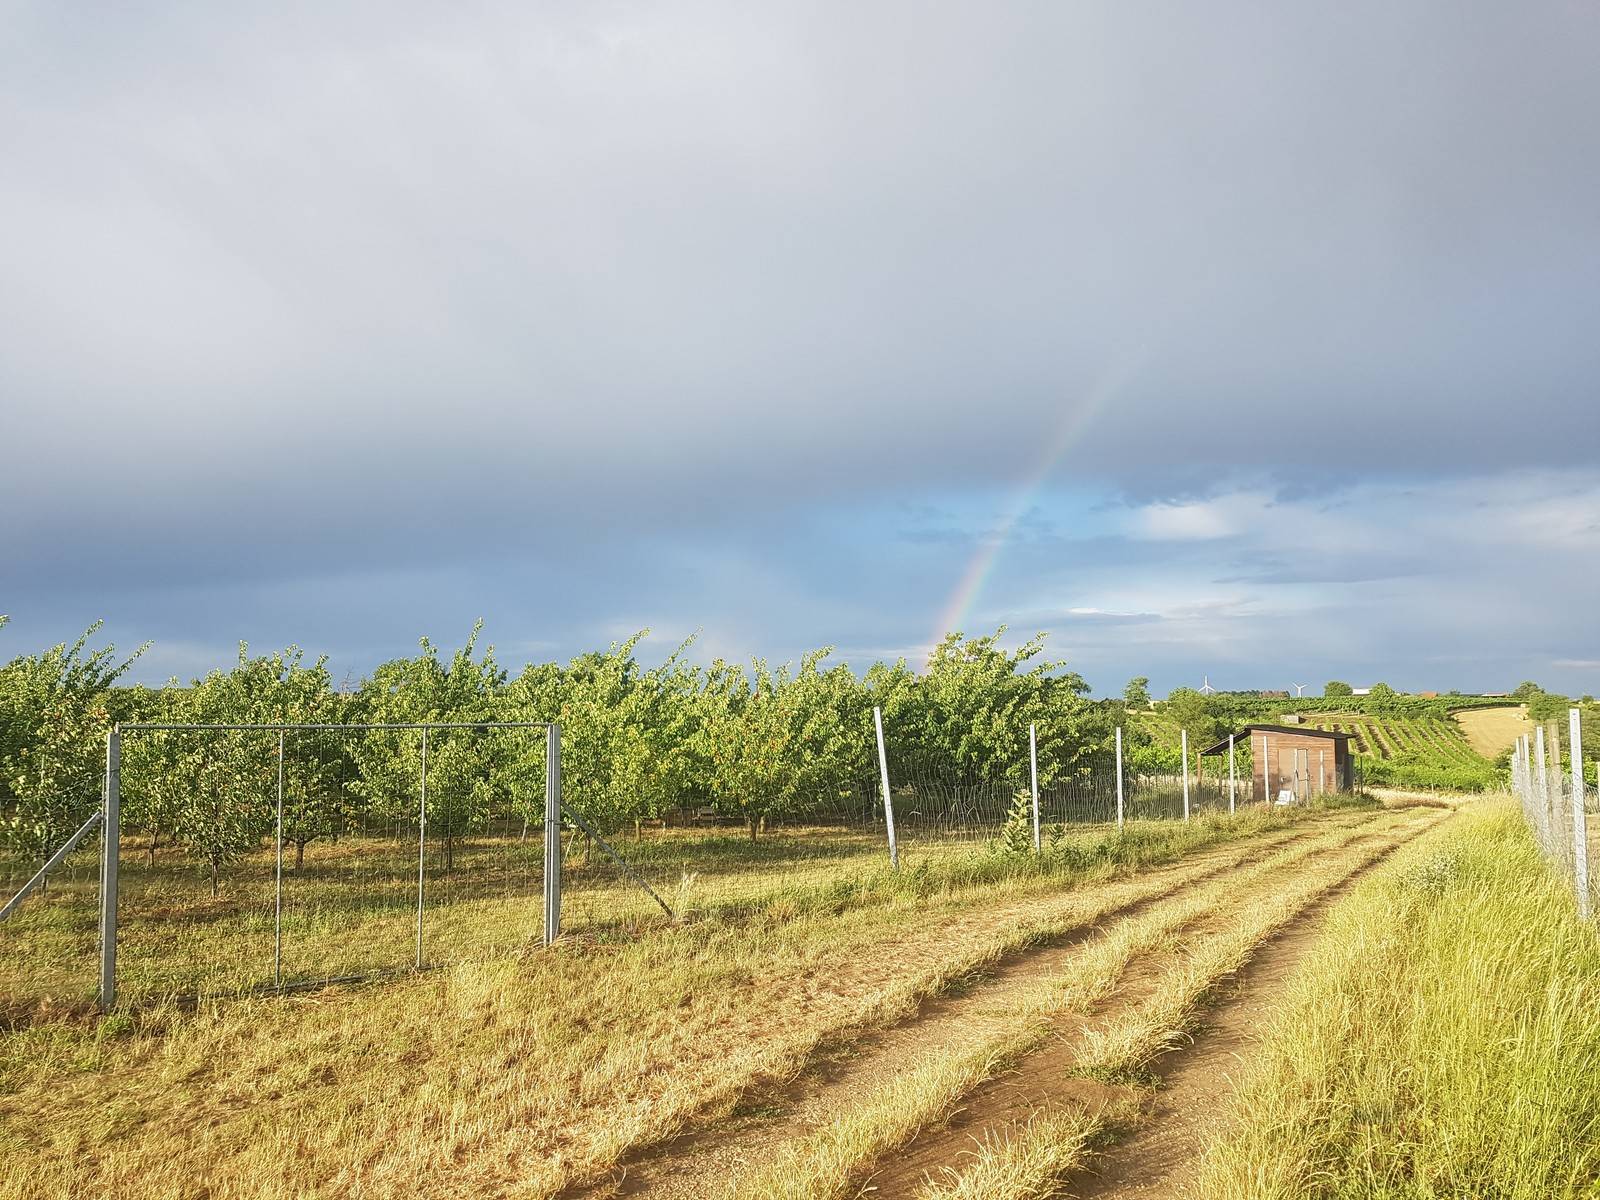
(711, 1160)
(1166, 1141)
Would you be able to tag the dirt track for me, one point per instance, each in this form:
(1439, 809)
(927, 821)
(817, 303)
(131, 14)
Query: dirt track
(715, 1159)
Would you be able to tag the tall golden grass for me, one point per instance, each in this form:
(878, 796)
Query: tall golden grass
(1442, 1039)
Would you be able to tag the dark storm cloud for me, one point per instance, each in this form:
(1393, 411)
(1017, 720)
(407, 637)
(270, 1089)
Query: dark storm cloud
(575, 312)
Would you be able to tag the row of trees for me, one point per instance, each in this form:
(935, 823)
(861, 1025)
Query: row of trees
(758, 741)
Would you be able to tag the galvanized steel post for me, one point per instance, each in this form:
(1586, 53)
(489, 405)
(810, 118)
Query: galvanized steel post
(277, 899)
(1119, 778)
(1233, 775)
(888, 799)
(422, 836)
(110, 849)
(552, 834)
(1033, 775)
(1183, 739)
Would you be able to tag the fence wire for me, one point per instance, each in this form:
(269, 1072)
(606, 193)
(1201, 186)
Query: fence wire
(1562, 816)
(262, 858)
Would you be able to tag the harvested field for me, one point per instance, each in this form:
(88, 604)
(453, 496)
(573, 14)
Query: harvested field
(1493, 731)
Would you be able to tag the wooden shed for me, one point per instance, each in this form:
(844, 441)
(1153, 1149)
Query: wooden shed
(1293, 762)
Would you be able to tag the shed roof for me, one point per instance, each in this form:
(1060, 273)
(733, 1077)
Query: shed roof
(1292, 730)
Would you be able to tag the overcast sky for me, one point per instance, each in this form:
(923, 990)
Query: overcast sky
(1250, 341)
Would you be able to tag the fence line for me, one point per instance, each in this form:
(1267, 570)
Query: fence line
(1555, 803)
(244, 857)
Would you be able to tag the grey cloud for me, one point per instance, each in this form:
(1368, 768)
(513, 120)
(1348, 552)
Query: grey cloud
(381, 315)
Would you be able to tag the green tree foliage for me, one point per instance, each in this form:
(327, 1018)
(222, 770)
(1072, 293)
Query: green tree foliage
(215, 791)
(1137, 693)
(471, 773)
(54, 713)
(1337, 687)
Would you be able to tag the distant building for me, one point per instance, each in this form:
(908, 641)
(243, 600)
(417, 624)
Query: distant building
(1361, 691)
(1429, 695)
(1293, 762)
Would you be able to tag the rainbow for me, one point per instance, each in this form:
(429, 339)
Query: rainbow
(1074, 423)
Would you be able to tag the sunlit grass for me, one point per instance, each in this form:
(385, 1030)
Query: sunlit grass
(527, 1070)
(1442, 1040)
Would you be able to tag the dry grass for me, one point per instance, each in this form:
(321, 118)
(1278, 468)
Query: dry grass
(517, 1075)
(1493, 731)
(1029, 1163)
(1442, 1040)
(826, 1163)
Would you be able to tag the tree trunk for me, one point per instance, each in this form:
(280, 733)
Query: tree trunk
(449, 852)
(750, 823)
(299, 856)
(214, 866)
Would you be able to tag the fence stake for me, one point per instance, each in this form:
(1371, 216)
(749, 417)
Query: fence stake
(110, 850)
(1580, 831)
(277, 900)
(1119, 778)
(552, 834)
(1322, 771)
(422, 842)
(1183, 738)
(1543, 770)
(1233, 776)
(1033, 773)
(888, 800)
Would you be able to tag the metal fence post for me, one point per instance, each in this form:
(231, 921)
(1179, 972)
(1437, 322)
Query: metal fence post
(1233, 775)
(422, 841)
(1183, 739)
(1580, 830)
(1033, 773)
(277, 899)
(552, 833)
(1119, 778)
(888, 799)
(110, 850)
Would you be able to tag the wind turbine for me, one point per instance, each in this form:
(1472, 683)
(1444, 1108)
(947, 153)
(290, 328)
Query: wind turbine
(1205, 685)
(1300, 689)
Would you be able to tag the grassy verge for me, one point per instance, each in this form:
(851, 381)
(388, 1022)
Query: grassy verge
(352, 910)
(1442, 1040)
(525, 1072)
(828, 1163)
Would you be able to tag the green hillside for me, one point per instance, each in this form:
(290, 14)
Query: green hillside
(1399, 741)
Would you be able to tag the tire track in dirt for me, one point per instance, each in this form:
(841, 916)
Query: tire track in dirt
(708, 1161)
(1155, 1158)
(1158, 1159)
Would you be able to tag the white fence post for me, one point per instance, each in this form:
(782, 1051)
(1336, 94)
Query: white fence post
(1184, 739)
(1543, 785)
(1033, 773)
(888, 800)
(1119, 778)
(1580, 832)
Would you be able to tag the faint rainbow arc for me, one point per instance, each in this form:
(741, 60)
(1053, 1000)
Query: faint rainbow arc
(978, 569)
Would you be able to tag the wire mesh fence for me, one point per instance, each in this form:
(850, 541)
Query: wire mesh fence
(1559, 805)
(260, 857)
